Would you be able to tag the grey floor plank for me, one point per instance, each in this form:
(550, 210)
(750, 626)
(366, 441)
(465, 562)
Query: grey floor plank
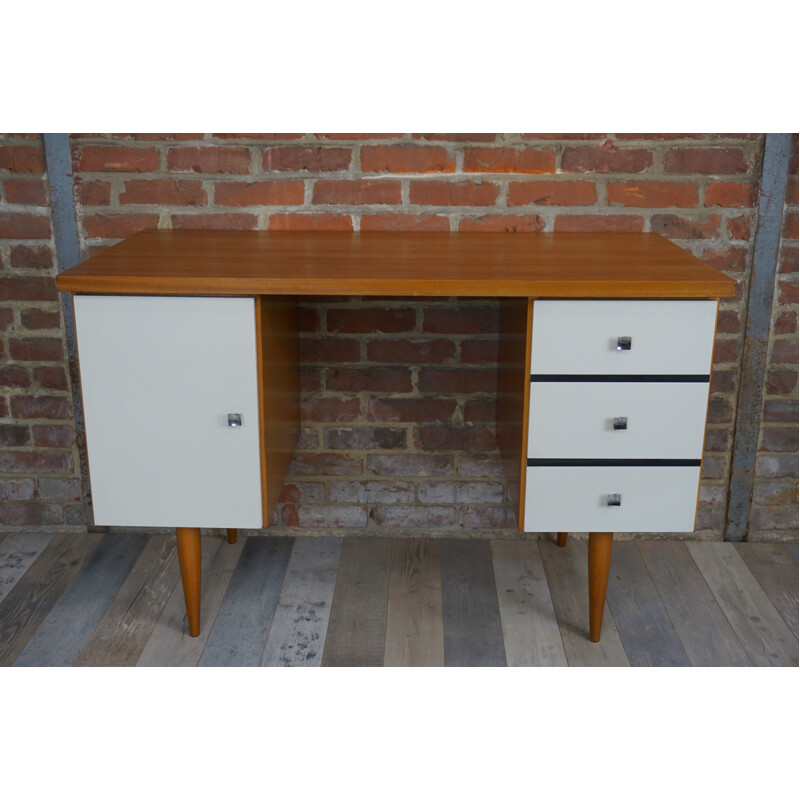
(567, 576)
(530, 627)
(357, 628)
(644, 626)
(414, 624)
(792, 550)
(39, 589)
(764, 635)
(776, 573)
(17, 552)
(62, 635)
(122, 633)
(242, 624)
(170, 644)
(706, 635)
(473, 633)
(297, 635)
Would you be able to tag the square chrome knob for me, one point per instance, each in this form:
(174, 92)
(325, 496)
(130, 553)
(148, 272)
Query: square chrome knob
(234, 420)
(614, 500)
(624, 342)
(620, 423)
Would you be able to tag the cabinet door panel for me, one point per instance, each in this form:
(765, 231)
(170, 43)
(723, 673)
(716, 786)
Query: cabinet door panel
(159, 377)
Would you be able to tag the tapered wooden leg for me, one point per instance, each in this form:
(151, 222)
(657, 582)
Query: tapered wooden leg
(599, 565)
(562, 539)
(231, 535)
(189, 560)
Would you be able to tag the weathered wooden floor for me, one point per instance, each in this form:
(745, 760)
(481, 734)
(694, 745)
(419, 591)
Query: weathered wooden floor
(116, 600)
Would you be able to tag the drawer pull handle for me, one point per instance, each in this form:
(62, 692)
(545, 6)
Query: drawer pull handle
(624, 343)
(614, 500)
(620, 423)
(234, 420)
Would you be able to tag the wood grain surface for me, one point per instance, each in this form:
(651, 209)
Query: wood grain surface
(589, 265)
(17, 552)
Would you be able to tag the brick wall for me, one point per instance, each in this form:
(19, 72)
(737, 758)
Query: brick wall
(774, 510)
(414, 446)
(39, 466)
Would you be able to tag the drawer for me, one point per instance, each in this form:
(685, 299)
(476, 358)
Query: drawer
(667, 337)
(575, 499)
(576, 420)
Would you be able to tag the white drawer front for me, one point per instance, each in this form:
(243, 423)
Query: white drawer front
(668, 337)
(159, 376)
(575, 499)
(576, 420)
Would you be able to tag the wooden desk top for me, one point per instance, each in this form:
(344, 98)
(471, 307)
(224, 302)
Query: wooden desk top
(555, 265)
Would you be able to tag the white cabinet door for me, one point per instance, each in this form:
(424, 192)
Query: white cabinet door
(159, 377)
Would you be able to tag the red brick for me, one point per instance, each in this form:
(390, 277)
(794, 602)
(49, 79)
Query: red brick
(404, 222)
(31, 514)
(739, 227)
(607, 158)
(411, 409)
(457, 381)
(674, 227)
(309, 159)
(371, 320)
(422, 466)
(40, 407)
(570, 136)
(784, 351)
(719, 410)
(786, 323)
(259, 193)
(215, 222)
(406, 158)
(726, 351)
(787, 294)
(358, 136)
(731, 195)
(432, 351)
(778, 440)
(21, 158)
(706, 161)
(480, 411)
(327, 350)
(308, 319)
(163, 192)
(503, 223)
(373, 379)
(14, 435)
(53, 435)
(789, 260)
(665, 136)
(461, 320)
(480, 465)
(213, 159)
(780, 411)
(23, 257)
(330, 409)
(115, 158)
(6, 318)
(440, 437)
(39, 462)
(487, 517)
(479, 351)
(790, 225)
(25, 288)
(24, 226)
(792, 190)
(325, 464)
(781, 381)
(730, 259)
(51, 377)
(93, 193)
(160, 137)
(728, 322)
(36, 319)
(117, 226)
(14, 376)
(413, 516)
(36, 349)
(456, 137)
(310, 222)
(356, 192)
(365, 438)
(26, 192)
(453, 193)
(600, 222)
(652, 194)
(16, 489)
(531, 160)
(265, 137)
(552, 193)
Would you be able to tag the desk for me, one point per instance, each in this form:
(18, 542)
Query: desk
(187, 344)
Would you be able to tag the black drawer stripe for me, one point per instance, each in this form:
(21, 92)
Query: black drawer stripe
(613, 462)
(620, 378)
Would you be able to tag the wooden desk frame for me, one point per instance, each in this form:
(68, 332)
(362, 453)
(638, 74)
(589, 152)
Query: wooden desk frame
(275, 268)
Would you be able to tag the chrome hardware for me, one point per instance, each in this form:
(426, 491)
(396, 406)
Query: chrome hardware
(234, 420)
(620, 423)
(614, 500)
(623, 343)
